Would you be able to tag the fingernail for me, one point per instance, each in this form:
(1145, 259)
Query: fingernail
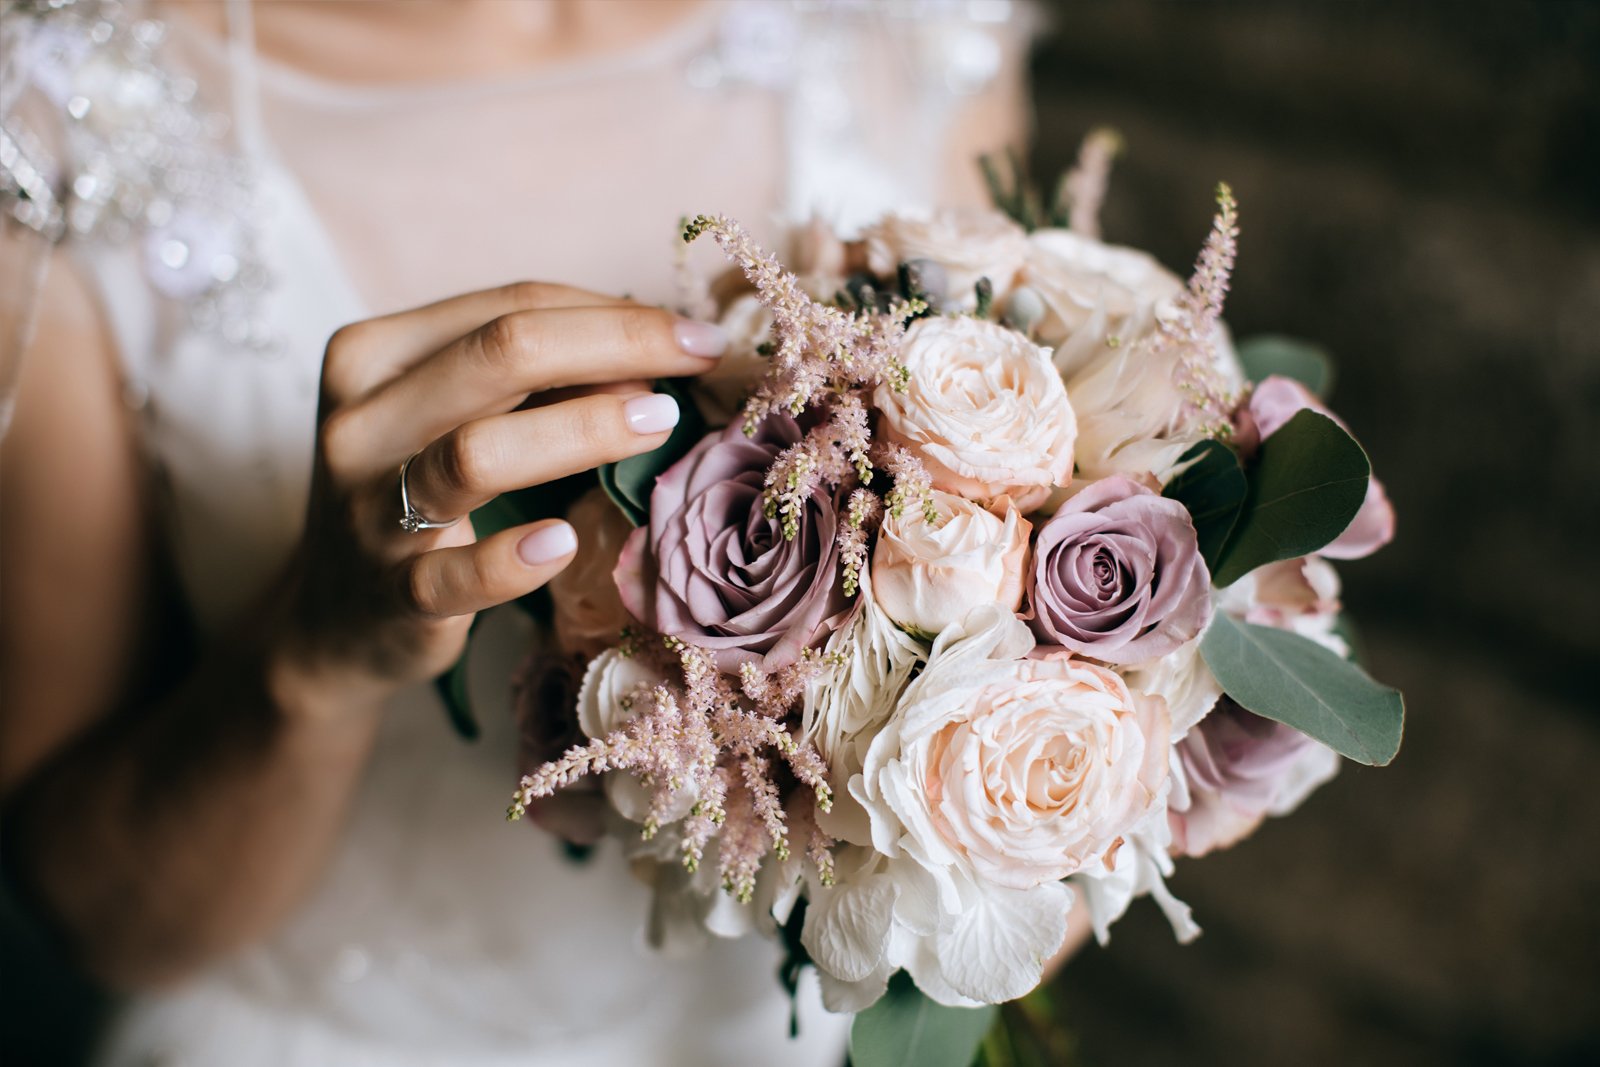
(700, 338)
(651, 414)
(548, 544)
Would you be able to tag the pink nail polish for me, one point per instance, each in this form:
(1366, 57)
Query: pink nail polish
(700, 338)
(547, 544)
(651, 414)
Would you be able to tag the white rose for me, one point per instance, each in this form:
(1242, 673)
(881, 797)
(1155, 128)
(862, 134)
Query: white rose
(985, 411)
(1020, 770)
(616, 688)
(1087, 284)
(929, 575)
(1134, 417)
(969, 243)
(1182, 679)
(589, 615)
(1104, 303)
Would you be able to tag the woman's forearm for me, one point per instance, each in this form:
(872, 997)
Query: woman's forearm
(177, 832)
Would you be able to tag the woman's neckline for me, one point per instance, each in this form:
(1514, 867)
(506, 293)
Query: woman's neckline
(285, 79)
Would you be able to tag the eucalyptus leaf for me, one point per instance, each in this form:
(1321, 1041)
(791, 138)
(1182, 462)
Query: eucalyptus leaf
(1293, 680)
(1213, 488)
(906, 1029)
(1270, 354)
(1306, 484)
(629, 482)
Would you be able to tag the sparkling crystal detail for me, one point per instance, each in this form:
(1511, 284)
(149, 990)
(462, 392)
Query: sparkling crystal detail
(140, 155)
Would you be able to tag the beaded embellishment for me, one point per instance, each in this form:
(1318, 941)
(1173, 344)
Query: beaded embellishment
(125, 150)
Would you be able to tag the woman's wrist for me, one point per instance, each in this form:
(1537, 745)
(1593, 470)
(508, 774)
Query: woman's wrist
(306, 686)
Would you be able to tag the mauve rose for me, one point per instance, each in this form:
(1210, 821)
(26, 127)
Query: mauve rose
(711, 569)
(1117, 575)
(1274, 402)
(1238, 768)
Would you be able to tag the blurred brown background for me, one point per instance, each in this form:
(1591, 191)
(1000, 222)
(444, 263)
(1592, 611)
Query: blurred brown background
(1419, 189)
(1420, 192)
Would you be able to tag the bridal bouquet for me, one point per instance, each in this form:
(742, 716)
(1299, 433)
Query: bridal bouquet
(985, 578)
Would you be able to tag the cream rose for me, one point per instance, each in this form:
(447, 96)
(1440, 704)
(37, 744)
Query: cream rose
(985, 411)
(969, 244)
(926, 576)
(1021, 771)
(588, 612)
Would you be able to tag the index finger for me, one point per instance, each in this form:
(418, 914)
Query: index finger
(494, 368)
(362, 355)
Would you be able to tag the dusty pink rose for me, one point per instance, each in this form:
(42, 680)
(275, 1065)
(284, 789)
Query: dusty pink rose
(1274, 402)
(712, 569)
(927, 575)
(1117, 575)
(1238, 769)
(589, 614)
(985, 411)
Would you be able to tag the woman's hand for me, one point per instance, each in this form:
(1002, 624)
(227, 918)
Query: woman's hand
(489, 392)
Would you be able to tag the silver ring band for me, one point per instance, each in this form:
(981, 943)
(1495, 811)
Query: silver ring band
(412, 520)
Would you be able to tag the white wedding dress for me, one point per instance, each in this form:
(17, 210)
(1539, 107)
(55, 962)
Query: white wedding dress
(440, 934)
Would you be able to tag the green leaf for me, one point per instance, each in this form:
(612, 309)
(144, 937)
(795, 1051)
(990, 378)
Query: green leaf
(1293, 680)
(1271, 354)
(1213, 488)
(501, 513)
(1305, 486)
(630, 481)
(452, 687)
(906, 1029)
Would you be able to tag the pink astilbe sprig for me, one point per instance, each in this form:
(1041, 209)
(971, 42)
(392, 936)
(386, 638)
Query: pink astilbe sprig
(823, 357)
(819, 843)
(913, 487)
(720, 744)
(1193, 329)
(855, 528)
(1083, 188)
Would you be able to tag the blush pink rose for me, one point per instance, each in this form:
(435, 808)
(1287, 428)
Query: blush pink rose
(589, 615)
(927, 575)
(1274, 402)
(985, 412)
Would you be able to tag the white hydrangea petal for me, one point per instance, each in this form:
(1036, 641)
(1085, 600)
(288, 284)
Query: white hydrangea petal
(916, 956)
(996, 947)
(848, 998)
(726, 917)
(847, 928)
(1142, 865)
